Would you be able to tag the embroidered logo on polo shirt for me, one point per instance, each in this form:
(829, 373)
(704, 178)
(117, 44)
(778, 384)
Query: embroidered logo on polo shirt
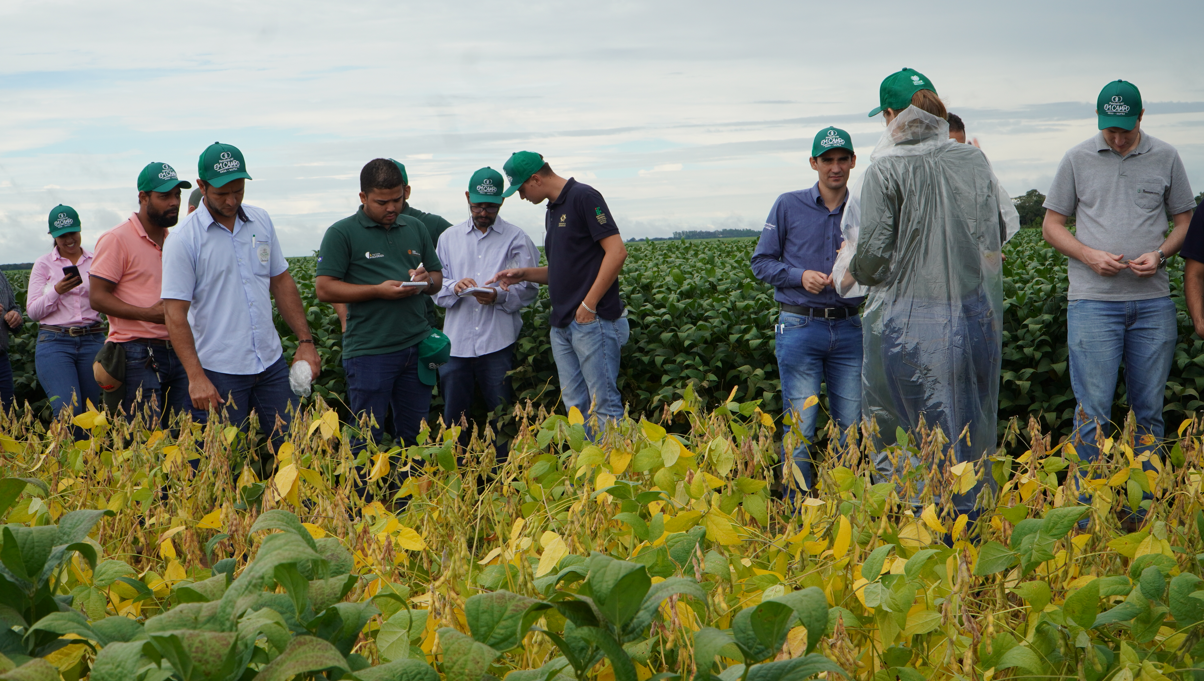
(1117, 106)
(372, 256)
(226, 163)
(63, 221)
(412, 252)
(563, 218)
(832, 140)
(600, 215)
(168, 173)
(486, 187)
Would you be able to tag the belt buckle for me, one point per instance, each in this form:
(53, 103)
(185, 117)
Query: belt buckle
(76, 331)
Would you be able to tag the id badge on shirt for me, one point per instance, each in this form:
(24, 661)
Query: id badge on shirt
(264, 251)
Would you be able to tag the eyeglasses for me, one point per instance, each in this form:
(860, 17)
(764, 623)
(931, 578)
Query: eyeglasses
(485, 207)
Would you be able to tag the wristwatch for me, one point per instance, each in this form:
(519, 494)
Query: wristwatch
(1161, 258)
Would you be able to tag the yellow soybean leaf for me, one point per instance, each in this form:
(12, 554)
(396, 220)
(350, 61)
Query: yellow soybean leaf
(314, 531)
(554, 549)
(116, 503)
(930, 519)
(86, 419)
(575, 417)
(409, 539)
(619, 460)
(810, 402)
(167, 550)
(670, 451)
(652, 431)
(212, 521)
(491, 556)
(1183, 426)
(171, 455)
(960, 524)
(844, 536)
(815, 548)
(330, 424)
(767, 421)
(246, 477)
(605, 479)
(380, 466)
(285, 455)
(155, 438)
(1119, 478)
(682, 521)
(286, 481)
(714, 482)
(175, 572)
(915, 535)
(719, 528)
(315, 478)
(10, 445)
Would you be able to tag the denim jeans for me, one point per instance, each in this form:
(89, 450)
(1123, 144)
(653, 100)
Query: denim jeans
(377, 382)
(7, 390)
(810, 350)
(150, 372)
(460, 378)
(587, 360)
(1102, 335)
(267, 393)
(942, 365)
(64, 366)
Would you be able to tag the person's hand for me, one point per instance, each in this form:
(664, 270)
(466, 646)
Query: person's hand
(393, 290)
(420, 274)
(584, 316)
(487, 298)
(204, 395)
(154, 313)
(308, 353)
(1145, 265)
(510, 277)
(67, 283)
(1101, 262)
(816, 282)
(13, 318)
(466, 282)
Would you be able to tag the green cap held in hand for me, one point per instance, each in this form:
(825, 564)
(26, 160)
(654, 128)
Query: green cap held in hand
(897, 89)
(433, 351)
(221, 163)
(1118, 105)
(160, 177)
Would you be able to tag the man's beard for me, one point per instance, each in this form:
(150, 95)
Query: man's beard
(163, 219)
(484, 221)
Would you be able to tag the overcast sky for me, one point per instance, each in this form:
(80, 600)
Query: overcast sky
(685, 115)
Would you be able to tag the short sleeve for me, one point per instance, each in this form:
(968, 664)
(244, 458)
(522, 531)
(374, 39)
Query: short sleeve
(596, 214)
(1063, 197)
(333, 254)
(179, 269)
(277, 265)
(108, 258)
(1193, 244)
(1180, 199)
(430, 256)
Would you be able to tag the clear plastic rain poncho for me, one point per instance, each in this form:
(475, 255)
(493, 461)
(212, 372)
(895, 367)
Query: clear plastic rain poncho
(924, 246)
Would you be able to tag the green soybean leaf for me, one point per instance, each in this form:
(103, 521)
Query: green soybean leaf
(1083, 605)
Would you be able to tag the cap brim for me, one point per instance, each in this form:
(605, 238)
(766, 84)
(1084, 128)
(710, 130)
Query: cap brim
(1124, 122)
(56, 233)
(510, 190)
(226, 179)
(169, 186)
(482, 198)
(875, 111)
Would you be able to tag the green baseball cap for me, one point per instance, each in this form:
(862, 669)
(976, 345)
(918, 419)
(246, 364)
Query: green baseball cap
(831, 138)
(485, 186)
(897, 89)
(160, 177)
(63, 220)
(221, 163)
(405, 179)
(433, 351)
(1118, 105)
(519, 168)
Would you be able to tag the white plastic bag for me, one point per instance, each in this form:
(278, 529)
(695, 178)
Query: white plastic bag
(300, 377)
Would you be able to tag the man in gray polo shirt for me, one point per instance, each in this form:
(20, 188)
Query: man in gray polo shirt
(1121, 184)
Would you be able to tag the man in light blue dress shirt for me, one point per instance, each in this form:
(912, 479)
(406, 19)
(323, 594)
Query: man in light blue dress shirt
(221, 269)
(482, 322)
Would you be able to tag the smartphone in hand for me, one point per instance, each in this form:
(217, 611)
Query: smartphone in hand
(70, 271)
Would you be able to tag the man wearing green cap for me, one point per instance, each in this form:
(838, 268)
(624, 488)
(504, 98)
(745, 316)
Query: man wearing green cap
(482, 322)
(435, 226)
(383, 266)
(818, 332)
(221, 270)
(1120, 185)
(585, 255)
(127, 279)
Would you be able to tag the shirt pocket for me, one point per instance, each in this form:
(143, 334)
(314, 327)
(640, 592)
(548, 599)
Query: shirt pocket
(1150, 193)
(261, 256)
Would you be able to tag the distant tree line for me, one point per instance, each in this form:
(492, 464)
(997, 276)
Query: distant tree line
(17, 266)
(704, 234)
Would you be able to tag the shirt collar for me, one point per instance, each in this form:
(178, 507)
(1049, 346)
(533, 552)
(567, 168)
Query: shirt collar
(564, 192)
(207, 220)
(818, 199)
(87, 255)
(363, 220)
(1143, 145)
(141, 231)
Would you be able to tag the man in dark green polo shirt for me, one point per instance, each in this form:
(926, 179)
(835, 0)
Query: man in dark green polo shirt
(383, 266)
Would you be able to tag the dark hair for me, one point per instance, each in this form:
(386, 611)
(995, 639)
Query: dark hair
(380, 173)
(544, 170)
(956, 124)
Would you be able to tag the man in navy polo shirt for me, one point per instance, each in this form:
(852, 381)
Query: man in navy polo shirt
(585, 254)
(818, 332)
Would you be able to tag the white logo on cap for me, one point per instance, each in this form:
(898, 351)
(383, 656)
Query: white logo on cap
(168, 173)
(1117, 106)
(486, 187)
(227, 163)
(916, 80)
(832, 140)
(63, 221)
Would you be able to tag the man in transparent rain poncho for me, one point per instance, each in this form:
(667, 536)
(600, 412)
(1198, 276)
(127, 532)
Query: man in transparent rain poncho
(924, 247)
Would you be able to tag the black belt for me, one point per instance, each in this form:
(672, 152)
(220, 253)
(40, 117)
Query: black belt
(74, 330)
(825, 312)
(158, 342)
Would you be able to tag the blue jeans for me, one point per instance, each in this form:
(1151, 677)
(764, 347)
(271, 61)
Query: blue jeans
(1102, 335)
(377, 382)
(810, 350)
(64, 366)
(460, 378)
(7, 390)
(155, 378)
(587, 360)
(267, 393)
